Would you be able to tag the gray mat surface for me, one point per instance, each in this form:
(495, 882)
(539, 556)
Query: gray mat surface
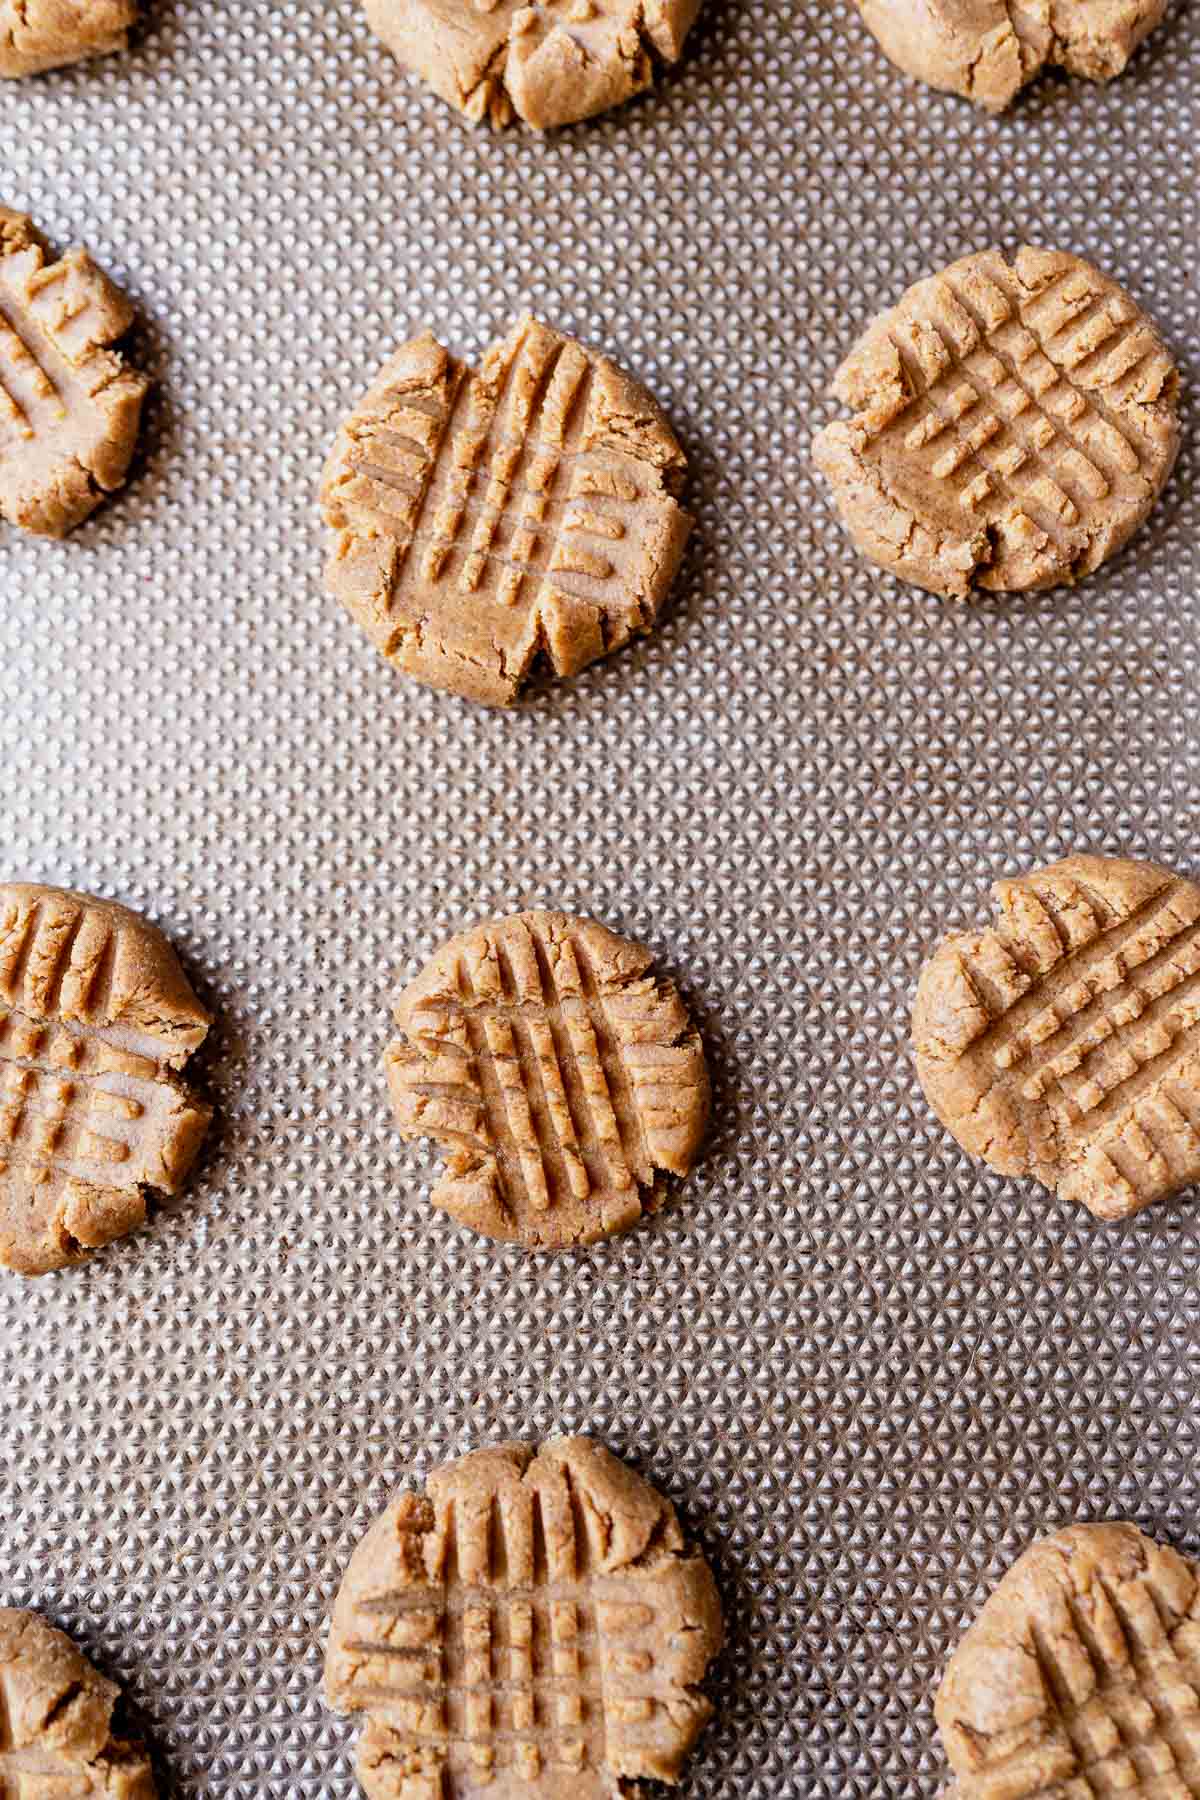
(866, 1371)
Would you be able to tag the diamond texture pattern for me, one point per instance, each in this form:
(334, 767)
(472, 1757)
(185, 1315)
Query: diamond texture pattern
(866, 1370)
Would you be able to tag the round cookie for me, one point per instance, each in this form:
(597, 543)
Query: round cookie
(44, 34)
(1064, 1041)
(96, 1018)
(56, 1712)
(558, 1072)
(1080, 1675)
(535, 1626)
(987, 50)
(484, 518)
(546, 65)
(1013, 426)
(69, 407)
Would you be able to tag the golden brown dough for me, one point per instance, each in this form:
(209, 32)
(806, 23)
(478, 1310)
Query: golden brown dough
(535, 1626)
(1081, 1675)
(56, 1736)
(482, 518)
(69, 406)
(44, 34)
(1013, 426)
(988, 50)
(559, 1073)
(1064, 1041)
(96, 1019)
(547, 64)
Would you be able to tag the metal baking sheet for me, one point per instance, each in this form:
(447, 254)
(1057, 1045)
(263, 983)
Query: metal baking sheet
(866, 1371)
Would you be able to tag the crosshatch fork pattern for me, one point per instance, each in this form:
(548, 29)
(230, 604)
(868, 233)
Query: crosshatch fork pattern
(539, 1618)
(1079, 1033)
(69, 407)
(480, 516)
(1095, 1638)
(866, 1370)
(499, 495)
(519, 1720)
(1140, 1727)
(1043, 368)
(557, 1070)
(96, 1020)
(1138, 1731)
(462, 1677)
(72, 1098)
(494, 1037)
(58, 301)
(1021, 416)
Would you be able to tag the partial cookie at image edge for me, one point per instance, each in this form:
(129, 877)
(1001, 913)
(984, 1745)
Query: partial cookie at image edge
(988, 50)
(1086, 1655)
(56, 1719)
(37, 35)
(70, 406)
(97, 1019)
(576, 1570)
(547, 65)
(1063, 1042)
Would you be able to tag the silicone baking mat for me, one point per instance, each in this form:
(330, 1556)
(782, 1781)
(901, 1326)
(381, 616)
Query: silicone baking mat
(866, 1371)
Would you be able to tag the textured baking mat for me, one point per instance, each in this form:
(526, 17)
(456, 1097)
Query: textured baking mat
(865, 1371)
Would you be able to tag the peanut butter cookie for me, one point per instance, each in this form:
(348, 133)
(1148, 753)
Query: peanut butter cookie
(988, 50)
(546, 65)
(1013, 426)
(69, 406)
(44, 34)
(56, 1713)
(96, 1018)
(1081, 1675)
(535, 1625)
(484, 518)
(559, 1073)
(1064, 1041)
